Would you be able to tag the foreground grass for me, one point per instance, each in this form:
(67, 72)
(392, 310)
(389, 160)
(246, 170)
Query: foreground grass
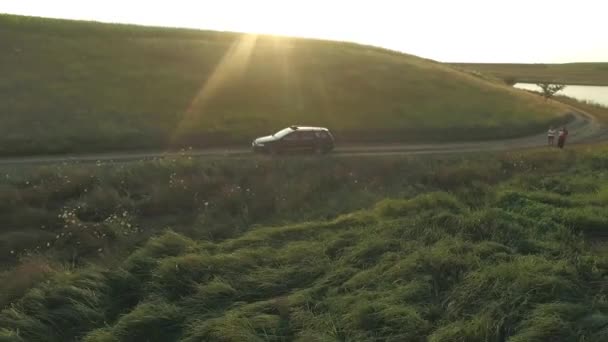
(569, 73)
(80, 87)
(479, 248)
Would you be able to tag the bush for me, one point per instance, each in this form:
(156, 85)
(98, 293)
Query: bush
(156, 321)
(60, 310)
(7, 335)
(17, 281)
(431, 201)
(496, 225)
(387, 322)
(505, 292)
(590, 220)
(100, 203)
(178, 276)
(233, 328)
(554, 321)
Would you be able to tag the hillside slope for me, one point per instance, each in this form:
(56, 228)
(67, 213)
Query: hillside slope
(78, 86)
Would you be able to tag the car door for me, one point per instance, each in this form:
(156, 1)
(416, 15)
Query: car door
(326, 140)
(307, 140)
(291, 141)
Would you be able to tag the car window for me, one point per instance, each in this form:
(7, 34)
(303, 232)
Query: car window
(283, 133)
(306, 135)
(322, 135)
(292, 136)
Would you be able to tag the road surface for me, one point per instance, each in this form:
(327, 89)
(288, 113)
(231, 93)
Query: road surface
(583, 128)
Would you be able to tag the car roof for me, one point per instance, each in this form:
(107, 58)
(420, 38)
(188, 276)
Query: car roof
(308, 128)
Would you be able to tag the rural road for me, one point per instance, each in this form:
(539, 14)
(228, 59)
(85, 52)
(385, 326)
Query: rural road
(583, 128)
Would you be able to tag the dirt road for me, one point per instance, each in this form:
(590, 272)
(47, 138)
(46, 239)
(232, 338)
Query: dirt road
(583, 128)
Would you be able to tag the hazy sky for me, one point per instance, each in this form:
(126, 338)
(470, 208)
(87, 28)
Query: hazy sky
(534, 31)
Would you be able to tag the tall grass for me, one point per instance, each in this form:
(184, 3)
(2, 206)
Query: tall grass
(431, 262)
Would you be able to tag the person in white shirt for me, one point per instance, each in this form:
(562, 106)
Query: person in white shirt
(551, 136)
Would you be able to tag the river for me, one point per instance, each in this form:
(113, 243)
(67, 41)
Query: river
(596, 94)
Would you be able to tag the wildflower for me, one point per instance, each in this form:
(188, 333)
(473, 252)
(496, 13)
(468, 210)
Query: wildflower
(48, 244)
(12, 252)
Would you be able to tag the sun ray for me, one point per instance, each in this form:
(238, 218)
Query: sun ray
(233, 65)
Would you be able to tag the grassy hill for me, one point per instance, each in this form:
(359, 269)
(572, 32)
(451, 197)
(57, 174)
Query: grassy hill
(504, 247)
(568, 73)
(71, 86)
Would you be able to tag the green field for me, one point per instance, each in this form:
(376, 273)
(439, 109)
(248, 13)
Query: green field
(71, 86)
(486, 247)
(568, 73)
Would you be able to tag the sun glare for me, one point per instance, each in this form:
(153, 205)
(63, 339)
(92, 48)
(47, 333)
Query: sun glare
(466, 30)
(275, 17)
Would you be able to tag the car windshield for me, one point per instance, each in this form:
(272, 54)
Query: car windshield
(283, 132)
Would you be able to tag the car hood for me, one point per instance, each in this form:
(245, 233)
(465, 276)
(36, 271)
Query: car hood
(266, 139)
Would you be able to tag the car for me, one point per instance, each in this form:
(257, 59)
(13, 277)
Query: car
(295, 139)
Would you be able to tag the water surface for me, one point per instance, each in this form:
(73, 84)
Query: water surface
(597, 94)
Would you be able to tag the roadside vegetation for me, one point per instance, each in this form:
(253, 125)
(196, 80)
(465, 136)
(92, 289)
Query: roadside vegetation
(71, 86)
(598, 111)
(568, 73)
(440, 248)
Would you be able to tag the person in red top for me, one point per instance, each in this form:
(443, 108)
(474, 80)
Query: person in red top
(561, 139)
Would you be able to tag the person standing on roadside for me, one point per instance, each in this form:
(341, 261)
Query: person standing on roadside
(551, 136)
(561, 139)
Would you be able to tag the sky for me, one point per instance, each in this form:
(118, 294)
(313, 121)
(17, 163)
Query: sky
(515, 31)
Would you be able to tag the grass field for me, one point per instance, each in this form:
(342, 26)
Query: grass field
(568, 73)
(72, 86)
(488, 247)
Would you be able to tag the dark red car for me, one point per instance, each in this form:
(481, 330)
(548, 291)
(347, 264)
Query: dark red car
(295, 138)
